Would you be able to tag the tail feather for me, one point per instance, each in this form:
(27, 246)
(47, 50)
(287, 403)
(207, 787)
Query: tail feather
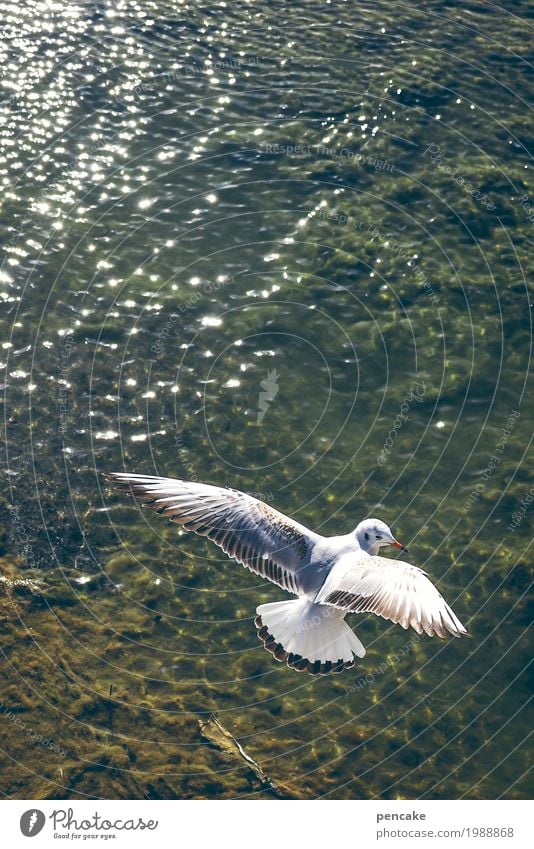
(308, 637)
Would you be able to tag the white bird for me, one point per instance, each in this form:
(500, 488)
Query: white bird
(331, 576)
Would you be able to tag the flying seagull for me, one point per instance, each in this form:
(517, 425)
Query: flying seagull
(331, 576)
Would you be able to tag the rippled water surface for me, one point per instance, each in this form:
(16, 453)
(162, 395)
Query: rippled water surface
(328, 204)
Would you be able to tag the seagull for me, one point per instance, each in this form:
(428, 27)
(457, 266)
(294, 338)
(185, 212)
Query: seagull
(331, 576)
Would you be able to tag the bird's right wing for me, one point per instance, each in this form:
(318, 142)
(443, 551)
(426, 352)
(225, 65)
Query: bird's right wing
(392, 589)
(248, 530)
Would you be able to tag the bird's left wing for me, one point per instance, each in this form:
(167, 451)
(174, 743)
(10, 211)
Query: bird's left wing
(267, 542)
(392, 589)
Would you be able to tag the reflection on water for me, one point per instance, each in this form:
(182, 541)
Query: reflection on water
(234, 241)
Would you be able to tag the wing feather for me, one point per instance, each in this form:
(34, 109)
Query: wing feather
(392, 589)
(259, 537)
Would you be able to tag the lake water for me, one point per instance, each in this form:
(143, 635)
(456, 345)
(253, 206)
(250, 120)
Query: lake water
(283, 248)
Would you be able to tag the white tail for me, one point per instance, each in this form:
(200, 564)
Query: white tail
(307, 636)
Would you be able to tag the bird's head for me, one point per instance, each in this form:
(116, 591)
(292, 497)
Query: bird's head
(372, 534)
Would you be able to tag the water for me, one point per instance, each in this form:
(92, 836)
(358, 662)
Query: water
(333, 202)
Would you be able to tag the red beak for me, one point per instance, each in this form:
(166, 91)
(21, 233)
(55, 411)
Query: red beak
(398, 544)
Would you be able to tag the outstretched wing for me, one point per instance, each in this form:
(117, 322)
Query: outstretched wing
(262, 539)
(393, 589)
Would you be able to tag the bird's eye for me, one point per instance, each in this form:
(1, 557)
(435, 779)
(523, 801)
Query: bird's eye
(366, 535)
(378, 536)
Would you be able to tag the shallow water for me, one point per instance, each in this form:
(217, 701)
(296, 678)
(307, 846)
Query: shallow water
(332, 201)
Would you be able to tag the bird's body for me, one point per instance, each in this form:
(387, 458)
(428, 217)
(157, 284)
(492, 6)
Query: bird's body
(331, 576)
